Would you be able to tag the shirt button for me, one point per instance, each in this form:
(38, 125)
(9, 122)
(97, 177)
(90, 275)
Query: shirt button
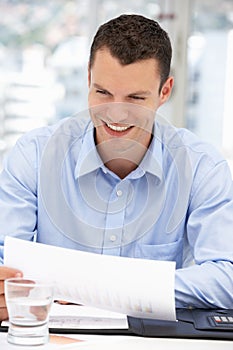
(119, 193)
(113, 238)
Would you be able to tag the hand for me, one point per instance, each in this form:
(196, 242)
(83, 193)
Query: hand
(64, 302)
(6, 272)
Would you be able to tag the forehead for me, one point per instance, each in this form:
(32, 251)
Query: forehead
(107, 69)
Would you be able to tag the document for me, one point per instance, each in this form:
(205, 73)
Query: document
(134, 287)
(85, 317)
(74, 317)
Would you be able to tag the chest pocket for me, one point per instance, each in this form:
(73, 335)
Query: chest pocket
(167, 252)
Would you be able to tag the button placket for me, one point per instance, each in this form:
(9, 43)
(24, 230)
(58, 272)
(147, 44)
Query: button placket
(119, 193)
(115, 218)
(113, 238)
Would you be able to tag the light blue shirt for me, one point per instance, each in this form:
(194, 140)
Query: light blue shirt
(176, 205)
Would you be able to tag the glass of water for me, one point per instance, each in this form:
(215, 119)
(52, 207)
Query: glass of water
(28, 304)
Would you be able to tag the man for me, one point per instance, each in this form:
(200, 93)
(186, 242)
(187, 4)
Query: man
(126, 182)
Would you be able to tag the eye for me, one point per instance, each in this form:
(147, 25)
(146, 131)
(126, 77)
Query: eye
(137, 98)
(102, 92)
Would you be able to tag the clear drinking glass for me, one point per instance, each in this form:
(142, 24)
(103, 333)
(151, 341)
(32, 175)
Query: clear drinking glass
(28, 304)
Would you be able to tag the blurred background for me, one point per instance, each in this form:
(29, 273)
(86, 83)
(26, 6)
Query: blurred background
(44, 48)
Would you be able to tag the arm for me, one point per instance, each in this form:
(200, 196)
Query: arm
(209, 283)
(18, 197)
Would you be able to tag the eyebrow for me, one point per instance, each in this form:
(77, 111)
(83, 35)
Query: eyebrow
(140, 92)
(97, 86)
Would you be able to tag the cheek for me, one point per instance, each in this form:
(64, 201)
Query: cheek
(91, 99)
(93, 96)
(94, 119)
(95, 100)
(143, 117)
(153, 103)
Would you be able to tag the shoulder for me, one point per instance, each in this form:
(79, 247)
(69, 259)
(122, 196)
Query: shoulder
(194, 161)
(32, 144)
(72, 127)
(182, 141)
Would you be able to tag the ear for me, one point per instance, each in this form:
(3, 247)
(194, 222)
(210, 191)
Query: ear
(166, 90)
(89, 75)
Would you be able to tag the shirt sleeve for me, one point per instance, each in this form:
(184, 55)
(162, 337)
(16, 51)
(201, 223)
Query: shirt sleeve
(209, 282)
(18, 197)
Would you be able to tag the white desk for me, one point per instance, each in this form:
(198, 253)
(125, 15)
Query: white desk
(126, 343)
(106, 342)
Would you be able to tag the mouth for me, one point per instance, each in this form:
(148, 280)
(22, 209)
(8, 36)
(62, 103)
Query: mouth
(118, 128)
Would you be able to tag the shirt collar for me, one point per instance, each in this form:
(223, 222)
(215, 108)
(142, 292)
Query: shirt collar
(89, 159)
(152, 161)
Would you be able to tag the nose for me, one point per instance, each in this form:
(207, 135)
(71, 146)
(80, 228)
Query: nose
(118, 112)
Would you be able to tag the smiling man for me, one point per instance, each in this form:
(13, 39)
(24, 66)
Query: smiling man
(118, 179)
(128, 68)
(138, 83)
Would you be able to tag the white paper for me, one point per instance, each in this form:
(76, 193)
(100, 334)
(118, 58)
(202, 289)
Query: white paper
(83, 317)
(134, 287)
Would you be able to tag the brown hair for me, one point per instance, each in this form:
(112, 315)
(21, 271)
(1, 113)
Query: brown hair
(132, 38)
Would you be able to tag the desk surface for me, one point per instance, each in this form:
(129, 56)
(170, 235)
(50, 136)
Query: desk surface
(125, 343)
(106, 342)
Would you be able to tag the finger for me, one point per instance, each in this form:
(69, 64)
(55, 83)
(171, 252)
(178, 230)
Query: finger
(40, 312)
(2, 301)
(1, 287)
(7, 272)
(61, 302)
(3, 314)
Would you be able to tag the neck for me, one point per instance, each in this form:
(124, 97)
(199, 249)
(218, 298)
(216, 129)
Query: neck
(121, 155)
(122, 162)
(121, 167)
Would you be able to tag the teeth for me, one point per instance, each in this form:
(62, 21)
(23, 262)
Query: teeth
(118, 128)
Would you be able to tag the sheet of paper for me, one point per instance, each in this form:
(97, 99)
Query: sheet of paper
(83, 317)
(135, 287)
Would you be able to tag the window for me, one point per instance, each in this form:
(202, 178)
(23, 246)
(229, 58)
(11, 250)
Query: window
(44, 48)
(210, 74)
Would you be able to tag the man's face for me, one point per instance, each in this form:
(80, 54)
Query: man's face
(123, 98)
